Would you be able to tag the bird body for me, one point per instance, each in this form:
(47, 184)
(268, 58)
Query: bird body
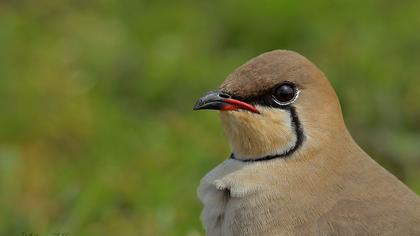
(294, 168)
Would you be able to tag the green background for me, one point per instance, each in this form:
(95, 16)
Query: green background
(97, 132)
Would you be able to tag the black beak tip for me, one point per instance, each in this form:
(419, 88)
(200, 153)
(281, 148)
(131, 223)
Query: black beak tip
(199, 104)
(196, 107)
(213, 100)
(203, 102)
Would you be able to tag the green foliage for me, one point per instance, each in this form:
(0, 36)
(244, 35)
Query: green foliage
(97, 135)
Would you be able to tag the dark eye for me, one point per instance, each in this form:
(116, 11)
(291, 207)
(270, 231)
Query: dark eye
(285, 93)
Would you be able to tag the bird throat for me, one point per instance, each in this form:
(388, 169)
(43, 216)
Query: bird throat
(276, 133)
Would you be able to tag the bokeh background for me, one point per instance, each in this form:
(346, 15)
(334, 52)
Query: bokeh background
(97, 132)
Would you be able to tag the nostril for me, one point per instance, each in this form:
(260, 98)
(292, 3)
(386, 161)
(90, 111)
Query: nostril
(223, 95)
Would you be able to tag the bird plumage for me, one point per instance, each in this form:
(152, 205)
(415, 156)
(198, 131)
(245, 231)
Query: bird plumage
(316, 181)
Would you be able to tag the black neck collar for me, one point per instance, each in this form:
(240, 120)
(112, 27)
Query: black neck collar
(299, 139)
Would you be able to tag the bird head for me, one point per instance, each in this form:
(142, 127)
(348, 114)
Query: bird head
(274, 106)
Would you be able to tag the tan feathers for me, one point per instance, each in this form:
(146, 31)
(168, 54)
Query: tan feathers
(249, 133)
(327, 186)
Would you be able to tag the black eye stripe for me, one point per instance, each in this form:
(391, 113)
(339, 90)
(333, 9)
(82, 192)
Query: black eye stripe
(268, 97)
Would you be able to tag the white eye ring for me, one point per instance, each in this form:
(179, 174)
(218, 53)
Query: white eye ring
(297, 92)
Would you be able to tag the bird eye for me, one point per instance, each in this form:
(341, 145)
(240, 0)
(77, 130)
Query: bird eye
(285, 94)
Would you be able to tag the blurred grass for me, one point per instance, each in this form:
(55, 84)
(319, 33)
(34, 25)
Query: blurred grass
(97, 136)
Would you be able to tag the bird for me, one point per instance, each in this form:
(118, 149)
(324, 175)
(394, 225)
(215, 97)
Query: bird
(294, 168)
